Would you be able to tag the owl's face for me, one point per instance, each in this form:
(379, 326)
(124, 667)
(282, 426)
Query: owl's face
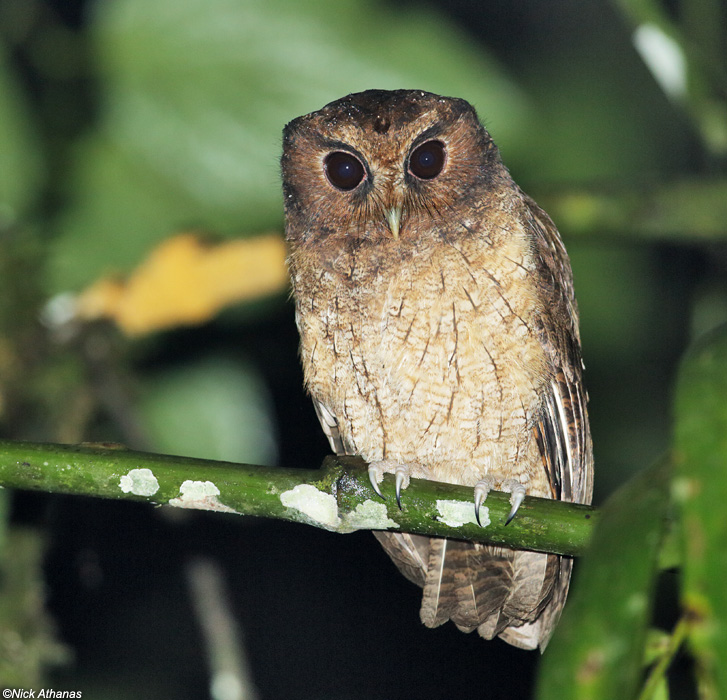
(382, 165)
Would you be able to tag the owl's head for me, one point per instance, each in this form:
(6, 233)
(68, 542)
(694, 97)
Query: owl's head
(385, 164)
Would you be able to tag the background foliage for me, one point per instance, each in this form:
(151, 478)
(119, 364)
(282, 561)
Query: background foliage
(123, 122)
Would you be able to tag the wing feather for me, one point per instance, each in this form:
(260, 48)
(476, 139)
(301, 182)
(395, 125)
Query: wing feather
(561, 429)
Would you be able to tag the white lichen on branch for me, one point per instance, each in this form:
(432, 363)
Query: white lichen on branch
(458, 513)
(140, 482)
(201, 495)
(316, 505)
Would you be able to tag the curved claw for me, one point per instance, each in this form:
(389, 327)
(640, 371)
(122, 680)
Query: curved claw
(374, 476)
(479, 500)
(482, 488)
(516, 498)
(400, 479)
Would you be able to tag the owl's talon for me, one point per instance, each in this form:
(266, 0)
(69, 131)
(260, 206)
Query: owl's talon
(376, 474)
(517, 496)
(402, 482)
(401, 472)
(482, 488)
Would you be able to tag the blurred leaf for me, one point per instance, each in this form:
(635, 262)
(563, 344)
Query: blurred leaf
(696, 37)
(683, 210)
(662, 691)
(601, 116)
(19, 159)
(187, 281)
(661, 649)
(196, 93)
(213, 409)
(27, 645)
(657, 642)
(598, 649)
(701, 491)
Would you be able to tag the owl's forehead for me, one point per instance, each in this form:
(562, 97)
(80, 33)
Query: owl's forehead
(380, 109)
(388, 116)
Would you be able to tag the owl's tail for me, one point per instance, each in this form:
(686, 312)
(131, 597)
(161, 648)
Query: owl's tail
(497, 591)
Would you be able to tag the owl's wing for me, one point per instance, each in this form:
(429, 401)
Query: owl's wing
(561, 430)
(564, 440)
(330, 428)
(409, 552)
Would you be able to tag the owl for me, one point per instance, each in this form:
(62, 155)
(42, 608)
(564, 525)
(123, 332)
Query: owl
(439, 337)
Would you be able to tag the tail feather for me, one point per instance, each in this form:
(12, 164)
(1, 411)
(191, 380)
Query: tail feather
(538, 633)
(467, 583)
(521, 621)
(515, 595)
(491, 578)
(534, 575)
(439, 600)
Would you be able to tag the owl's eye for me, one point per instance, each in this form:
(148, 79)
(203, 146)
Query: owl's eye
(427, 160)
(344, 170)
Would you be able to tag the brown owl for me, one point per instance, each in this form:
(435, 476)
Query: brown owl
(439, 336)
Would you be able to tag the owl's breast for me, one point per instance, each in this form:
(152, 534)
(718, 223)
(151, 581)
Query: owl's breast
(433, 362)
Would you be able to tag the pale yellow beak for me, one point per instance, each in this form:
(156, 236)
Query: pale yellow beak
(393, 217)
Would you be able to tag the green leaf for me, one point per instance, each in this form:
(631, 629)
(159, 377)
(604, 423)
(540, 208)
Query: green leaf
(598, 649)
(196, 94)
(662, 691)
(213, 409)
(657, 642)
(700, 490)
(20, 164)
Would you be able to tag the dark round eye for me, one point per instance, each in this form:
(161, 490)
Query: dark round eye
(427, 160)
(344, 170)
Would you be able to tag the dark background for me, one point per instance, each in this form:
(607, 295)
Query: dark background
(322, 616)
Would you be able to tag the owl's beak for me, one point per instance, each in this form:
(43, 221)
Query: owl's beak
(393, 216)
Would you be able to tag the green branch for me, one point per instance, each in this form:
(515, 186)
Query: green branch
(337, 497)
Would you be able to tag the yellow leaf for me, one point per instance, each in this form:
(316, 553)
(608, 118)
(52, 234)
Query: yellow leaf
(186, 281)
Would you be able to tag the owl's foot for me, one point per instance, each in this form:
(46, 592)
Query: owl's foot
(513, 487)
(482, 488)
(402, 473)
(517, 496)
